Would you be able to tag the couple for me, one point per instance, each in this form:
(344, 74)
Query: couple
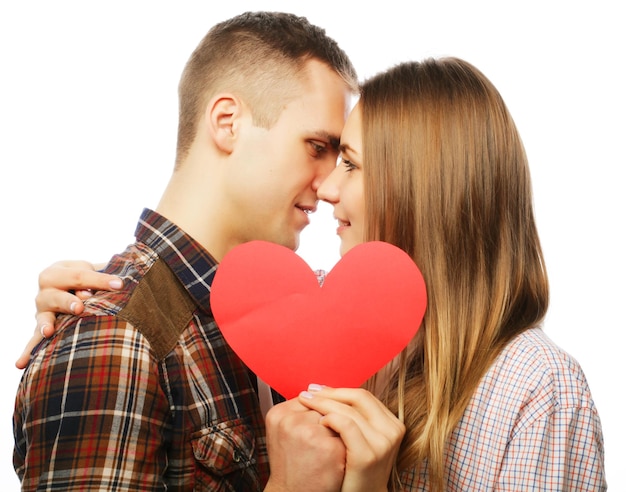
(139, 391)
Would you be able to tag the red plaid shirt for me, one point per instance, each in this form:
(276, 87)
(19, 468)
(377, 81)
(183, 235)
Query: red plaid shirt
(141, 391)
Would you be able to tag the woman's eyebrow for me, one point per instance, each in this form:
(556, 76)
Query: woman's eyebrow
(345, 148)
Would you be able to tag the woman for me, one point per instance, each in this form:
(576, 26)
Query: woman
(432, 162)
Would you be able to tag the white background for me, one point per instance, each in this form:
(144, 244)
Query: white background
(88, 122)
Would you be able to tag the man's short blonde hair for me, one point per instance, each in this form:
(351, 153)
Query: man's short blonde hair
(259, 56)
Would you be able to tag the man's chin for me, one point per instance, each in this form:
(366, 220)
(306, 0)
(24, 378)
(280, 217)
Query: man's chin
(293, 243)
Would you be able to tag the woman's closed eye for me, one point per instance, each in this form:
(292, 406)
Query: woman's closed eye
(349, 166)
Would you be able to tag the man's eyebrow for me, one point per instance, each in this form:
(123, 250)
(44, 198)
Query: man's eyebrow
(333, 140)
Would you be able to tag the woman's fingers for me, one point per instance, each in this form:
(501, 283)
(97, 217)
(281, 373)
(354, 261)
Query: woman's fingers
(356, 403)
(22, 361)
(371, 433)
(77, 275)
(63, 287)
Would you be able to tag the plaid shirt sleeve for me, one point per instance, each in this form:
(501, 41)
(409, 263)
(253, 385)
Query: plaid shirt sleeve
(82, 412)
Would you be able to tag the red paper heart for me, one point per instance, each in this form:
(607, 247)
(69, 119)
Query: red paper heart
(291, 332)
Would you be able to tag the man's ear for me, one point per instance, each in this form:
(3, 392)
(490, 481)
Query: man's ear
(222, 115)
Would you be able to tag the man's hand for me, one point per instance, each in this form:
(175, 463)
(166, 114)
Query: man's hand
(304, 455)
(62, 288)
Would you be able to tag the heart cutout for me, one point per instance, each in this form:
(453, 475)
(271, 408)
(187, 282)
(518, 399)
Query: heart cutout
(291, 332)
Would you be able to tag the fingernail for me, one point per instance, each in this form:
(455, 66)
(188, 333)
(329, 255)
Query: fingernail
(306, 394)
(116, 283)
(41, 329)
(315, 387)
(73, 307)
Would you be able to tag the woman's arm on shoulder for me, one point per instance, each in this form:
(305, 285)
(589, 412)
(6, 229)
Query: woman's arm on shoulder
(62, 288)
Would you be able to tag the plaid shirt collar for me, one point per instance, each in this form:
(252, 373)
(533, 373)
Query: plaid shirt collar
(190, 262)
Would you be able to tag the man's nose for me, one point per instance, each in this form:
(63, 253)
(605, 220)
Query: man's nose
(328, 190)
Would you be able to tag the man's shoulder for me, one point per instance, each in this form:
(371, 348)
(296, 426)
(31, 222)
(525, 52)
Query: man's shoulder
(152, 302)
(159, 307)
(131, 266)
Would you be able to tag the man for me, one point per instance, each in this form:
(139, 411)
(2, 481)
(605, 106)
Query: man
(140, 391)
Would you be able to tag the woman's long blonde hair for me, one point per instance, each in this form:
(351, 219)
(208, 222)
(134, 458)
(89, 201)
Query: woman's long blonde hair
(447, 180)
